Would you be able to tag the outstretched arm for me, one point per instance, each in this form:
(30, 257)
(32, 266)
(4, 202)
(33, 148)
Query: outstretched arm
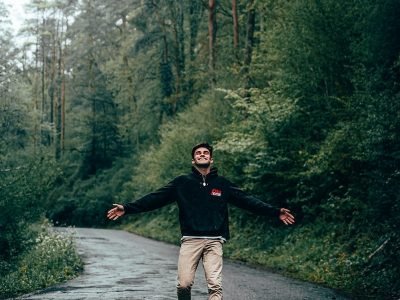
(157, 199)
(286, 217)
(255, 205)
(117, 211)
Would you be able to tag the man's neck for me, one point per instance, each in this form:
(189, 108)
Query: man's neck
(203, 171)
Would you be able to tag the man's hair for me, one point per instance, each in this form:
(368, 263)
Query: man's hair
(202, 145)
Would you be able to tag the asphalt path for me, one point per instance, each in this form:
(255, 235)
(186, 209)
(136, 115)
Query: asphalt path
(121, 265)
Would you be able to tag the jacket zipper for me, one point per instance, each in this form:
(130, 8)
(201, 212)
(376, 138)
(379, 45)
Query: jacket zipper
(204, 180)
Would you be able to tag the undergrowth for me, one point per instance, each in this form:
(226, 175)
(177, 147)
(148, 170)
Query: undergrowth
(51, 259)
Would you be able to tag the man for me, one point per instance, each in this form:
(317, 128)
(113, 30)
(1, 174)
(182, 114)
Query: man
(202, 197)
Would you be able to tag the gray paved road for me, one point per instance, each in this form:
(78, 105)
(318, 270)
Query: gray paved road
(121, 265)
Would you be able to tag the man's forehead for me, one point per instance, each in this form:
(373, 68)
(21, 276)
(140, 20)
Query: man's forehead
(202, 149)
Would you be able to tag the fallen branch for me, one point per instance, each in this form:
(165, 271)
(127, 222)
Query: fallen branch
(379, 248)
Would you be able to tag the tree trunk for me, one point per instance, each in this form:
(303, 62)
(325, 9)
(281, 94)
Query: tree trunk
(62, 107)
(235, 24)
(58, 106)
(36, 130)
(62, 54)
(53, 81)
(251, 20)
(180, 54)
(93, 142)
(44, 134)
(195, 15)
(212, 32)
(179, 50)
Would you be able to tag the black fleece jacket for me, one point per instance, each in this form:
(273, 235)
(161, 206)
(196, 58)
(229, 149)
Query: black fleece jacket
(203, 203)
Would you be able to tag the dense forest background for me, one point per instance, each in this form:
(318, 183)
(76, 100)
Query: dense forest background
(103, 100)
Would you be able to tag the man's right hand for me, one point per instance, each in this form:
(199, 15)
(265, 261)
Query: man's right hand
(116, 212)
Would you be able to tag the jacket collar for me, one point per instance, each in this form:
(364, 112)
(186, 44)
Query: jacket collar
(213, 172)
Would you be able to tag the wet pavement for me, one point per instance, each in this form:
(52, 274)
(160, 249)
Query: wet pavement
(121, 265)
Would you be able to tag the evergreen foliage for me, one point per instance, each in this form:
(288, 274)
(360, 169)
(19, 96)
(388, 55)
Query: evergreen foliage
(302, 107)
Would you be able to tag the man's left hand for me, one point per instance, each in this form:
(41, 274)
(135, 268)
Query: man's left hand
(286, 217)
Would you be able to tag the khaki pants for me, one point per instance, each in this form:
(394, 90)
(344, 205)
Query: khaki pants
(210, 252)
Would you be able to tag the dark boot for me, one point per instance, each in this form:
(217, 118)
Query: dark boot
(184, 293)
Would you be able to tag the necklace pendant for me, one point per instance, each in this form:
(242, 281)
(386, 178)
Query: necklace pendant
(204, 184)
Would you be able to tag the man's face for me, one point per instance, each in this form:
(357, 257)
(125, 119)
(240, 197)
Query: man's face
(202, 157)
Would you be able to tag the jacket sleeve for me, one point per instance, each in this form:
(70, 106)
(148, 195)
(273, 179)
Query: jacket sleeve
(245, 201)
(157, 199)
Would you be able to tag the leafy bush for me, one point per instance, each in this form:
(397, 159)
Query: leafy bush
(30, 257)
(52, 258)
(23, 191)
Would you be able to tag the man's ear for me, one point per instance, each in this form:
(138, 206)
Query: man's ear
(192, 161)
(211, 161)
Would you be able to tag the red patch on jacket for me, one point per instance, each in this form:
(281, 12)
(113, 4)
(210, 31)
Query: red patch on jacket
(216, 192)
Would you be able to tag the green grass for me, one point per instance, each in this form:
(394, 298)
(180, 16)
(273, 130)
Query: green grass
(51, 259)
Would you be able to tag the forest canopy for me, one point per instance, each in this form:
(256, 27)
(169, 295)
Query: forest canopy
(103, 100)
